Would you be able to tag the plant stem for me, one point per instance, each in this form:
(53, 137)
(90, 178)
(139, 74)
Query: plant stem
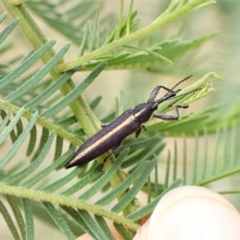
(66, 201)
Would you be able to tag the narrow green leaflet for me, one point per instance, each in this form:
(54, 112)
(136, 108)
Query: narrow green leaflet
(50, 90)
(26, 64)
(59, 220)
(135, 189)
(27, 209)
(63, 181)
(95, 173)
(17, 144)
(2, 17)
(106, 177)
(26, 171)
(42, 174)
(32, 140)
(124, 186)
(150, 207)
(18, 215)
(10, 126)
(9, 221)
(125, 235)
(39, 75)
(75, 93)
(99, 233)
(103, 225)
(8, 30)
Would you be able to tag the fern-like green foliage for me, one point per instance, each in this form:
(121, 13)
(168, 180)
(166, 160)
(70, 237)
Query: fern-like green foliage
(44, 117)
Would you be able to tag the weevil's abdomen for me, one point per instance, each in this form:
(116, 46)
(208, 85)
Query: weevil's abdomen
(106, 139)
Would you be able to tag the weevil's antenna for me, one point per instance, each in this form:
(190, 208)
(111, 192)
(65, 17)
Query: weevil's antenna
(184, 94)
(183, 80)
(170, 93)
(171, 96)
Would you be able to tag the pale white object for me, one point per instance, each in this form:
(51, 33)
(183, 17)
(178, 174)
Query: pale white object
(192, 213)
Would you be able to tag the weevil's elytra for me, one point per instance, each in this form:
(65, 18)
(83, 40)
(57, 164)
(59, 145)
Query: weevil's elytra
(112, 135)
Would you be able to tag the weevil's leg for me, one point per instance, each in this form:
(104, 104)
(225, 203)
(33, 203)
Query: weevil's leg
(105, 159)
(138, 132)
(104, 124)
(114, 149)
(170, 117)
(155, 92)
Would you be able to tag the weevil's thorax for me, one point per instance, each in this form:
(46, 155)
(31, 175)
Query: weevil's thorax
(144, 111)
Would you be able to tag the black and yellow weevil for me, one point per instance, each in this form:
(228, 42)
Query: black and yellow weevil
(112, 135)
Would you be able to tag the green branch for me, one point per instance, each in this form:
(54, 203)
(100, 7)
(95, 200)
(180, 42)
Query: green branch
(66, 201)
(217, 177)
(43, 122)
(158, 23)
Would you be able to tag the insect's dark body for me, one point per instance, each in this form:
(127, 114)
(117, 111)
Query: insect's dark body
(113, 134)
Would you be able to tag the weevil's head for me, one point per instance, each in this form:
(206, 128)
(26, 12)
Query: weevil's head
(144, 111)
